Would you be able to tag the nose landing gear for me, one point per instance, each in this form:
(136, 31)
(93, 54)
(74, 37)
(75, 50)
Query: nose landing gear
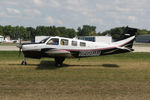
(24, 62)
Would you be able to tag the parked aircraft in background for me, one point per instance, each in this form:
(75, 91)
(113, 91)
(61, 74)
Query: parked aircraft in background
(60, 48)
(10, 41)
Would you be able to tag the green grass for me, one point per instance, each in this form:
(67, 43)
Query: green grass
(8, 44)
(114, 77)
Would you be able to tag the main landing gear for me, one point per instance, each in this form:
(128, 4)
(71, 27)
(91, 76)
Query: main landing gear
(59, 61)
(24, 62)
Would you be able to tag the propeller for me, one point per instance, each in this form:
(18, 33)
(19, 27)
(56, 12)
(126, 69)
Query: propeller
(20, 47)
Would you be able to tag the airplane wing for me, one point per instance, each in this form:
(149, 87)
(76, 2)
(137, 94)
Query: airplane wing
(58, 52)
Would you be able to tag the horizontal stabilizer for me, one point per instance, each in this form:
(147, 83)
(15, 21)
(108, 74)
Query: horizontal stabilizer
(126, 48)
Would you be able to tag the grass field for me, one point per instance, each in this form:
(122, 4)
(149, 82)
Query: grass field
(115, 77)
(8, 44)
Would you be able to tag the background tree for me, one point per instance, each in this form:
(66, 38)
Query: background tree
(87, 30)
(71, 33)
(39, 30)
(1, 30)
(32, 33)
(23, 33)
(115, 32)
(142, 32)
(29, 33)
(7, 30)
(63, 31)
(53, 31)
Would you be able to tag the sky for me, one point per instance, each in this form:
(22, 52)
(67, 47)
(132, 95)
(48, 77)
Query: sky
(104, 14)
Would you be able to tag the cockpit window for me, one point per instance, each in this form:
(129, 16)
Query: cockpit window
(44, 40)
(53, 41)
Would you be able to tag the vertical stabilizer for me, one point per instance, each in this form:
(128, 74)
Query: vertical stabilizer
(128, 32)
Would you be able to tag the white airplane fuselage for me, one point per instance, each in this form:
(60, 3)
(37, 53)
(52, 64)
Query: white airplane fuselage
(61, 48)
(81, 48)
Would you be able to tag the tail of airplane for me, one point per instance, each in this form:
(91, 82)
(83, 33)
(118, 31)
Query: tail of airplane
(128, 32)
(124, 43)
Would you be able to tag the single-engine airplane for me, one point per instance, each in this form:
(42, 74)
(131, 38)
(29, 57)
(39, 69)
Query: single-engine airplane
(61, 47)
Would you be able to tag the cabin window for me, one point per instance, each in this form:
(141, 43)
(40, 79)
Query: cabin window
(82, 44)
(74, 43)
(54, 41)
(64, 42)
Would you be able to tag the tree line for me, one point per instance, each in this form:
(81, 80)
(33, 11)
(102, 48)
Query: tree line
(29, 33)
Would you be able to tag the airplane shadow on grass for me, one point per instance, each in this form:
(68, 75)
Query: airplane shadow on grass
(111, 65)
(45, 65)
(48, 65)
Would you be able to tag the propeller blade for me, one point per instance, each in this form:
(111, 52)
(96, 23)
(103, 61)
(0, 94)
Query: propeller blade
(20, 47)
(19, 52)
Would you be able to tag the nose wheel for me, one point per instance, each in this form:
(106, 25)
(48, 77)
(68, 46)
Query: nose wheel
(59, 61)
(24, 62)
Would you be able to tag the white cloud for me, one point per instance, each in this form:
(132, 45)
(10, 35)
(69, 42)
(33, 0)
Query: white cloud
(121, 9)
(96, 20)
(13, 11)
(132, 6)
(1, 14)
(102, 13)
(11, 2)
(59, 22)
(54, 4)
(32, 12)
(78, 6)
(103, 7)
(51, 20)
(132, 18)
(76, 3)
(38, 3)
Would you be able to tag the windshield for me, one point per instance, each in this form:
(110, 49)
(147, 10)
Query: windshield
(44, 40)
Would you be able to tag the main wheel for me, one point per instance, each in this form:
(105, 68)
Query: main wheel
(59, 61)
(58, 65)
(23, 63)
